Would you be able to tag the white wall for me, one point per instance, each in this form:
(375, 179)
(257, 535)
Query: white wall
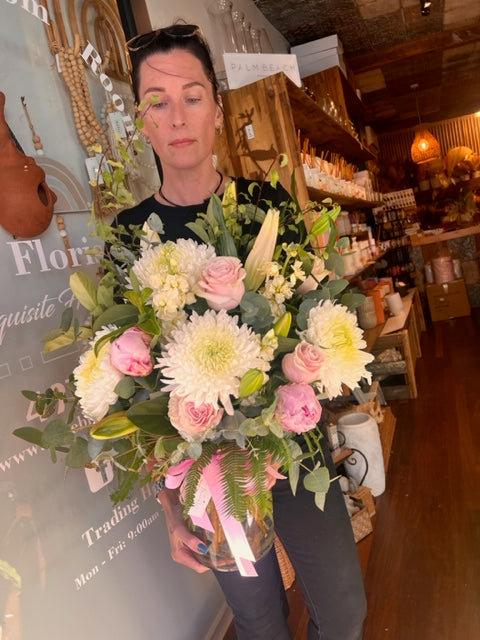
(167, 11)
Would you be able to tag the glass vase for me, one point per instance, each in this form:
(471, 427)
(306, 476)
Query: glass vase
(258, 530)
(221, 12)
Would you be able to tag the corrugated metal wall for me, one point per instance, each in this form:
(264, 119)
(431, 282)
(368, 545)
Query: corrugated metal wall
(464, 131)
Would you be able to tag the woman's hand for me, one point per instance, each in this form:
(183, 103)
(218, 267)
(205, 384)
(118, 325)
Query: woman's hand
(182, 540)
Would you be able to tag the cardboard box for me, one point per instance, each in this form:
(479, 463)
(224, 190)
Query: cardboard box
(310, 64)
(448, 300)
(314, 46)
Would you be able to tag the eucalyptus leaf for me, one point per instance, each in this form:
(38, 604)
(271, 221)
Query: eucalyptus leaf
(155, 223)
(57, 433)
(352, 300)
(320, 499)
(335, 263)
(30, 434)
(122, 254)
(317, 480)
(95, 447)
(78, 456)
(194, 450)
(335, 287)
(293, 476)
(125, 388)
(67, 317)
(30, 395)
(343, 243)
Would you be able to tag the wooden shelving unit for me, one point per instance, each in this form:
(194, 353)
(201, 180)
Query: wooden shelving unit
(264, 119)
(346, 202)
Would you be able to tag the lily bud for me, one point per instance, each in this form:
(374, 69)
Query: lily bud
(251, 381)
(283, 324)
(262, 251)
(116, 425)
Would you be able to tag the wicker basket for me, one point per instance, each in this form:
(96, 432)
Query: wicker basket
(286, 567)
(361, 523)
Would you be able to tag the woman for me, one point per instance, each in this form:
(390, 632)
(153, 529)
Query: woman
(176, 90)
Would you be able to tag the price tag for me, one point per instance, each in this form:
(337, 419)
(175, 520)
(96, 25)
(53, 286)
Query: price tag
(116, 121)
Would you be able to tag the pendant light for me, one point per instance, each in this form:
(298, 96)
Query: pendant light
(425, 146)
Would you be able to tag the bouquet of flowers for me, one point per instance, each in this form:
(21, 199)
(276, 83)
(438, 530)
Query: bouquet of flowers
(206, 362)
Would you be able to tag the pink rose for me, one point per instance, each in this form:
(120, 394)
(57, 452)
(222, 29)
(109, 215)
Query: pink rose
(304, 365)
(192, 421)
(297, 409)
(130, 353)
(221, 283)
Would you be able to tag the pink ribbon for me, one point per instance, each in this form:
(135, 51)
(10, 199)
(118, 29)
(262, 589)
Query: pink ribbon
(210, 487)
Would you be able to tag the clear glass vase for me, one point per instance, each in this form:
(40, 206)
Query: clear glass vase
(258, 531)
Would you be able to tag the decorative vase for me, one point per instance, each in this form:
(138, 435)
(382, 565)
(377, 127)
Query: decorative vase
(365, 465)
(258, 532)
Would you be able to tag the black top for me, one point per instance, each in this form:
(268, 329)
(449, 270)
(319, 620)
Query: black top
(174, 219)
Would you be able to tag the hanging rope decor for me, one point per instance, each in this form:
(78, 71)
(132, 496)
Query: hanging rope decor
(425, 147)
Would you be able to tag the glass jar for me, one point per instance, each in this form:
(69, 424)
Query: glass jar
(259, 533)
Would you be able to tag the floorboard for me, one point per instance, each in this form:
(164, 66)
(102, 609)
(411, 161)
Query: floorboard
(422, 561)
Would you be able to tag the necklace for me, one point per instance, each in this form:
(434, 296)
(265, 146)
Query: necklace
(182, 205)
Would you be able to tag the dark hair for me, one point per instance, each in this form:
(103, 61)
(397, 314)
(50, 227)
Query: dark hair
(177, 36)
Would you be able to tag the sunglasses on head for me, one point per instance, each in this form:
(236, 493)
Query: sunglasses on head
(144, 40)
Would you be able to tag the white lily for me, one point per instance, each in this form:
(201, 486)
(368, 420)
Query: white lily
(262, 251)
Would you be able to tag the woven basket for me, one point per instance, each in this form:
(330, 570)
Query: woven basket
(286, 567)
(361, 523)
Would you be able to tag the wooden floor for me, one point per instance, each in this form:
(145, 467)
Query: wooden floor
(422, 561)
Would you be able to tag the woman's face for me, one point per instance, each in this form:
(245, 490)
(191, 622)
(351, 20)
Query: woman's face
(180, 113)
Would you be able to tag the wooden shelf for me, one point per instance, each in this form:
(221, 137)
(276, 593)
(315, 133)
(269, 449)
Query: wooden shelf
(346, 202)
(421, 240)
(320, 128)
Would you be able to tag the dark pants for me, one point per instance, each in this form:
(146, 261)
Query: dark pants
(324, 555)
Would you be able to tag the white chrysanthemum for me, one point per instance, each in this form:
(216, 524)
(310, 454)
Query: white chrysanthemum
(207, 357)
(333, 328)
(96, 378)
(172, 271)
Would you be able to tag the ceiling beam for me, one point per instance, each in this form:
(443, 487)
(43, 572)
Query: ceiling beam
(448, 39)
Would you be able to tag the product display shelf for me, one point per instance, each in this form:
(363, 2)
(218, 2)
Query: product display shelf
(267, 117)
(346, 202)
(418, 240)
(321, 129)
(401, 333)
(366, 266)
